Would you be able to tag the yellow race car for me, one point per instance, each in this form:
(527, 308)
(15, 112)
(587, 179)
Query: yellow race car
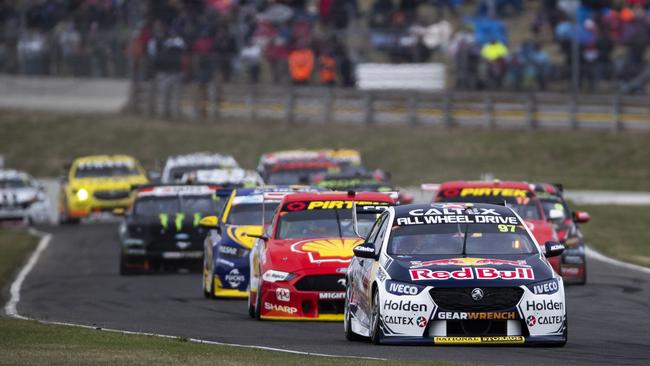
(99, 183)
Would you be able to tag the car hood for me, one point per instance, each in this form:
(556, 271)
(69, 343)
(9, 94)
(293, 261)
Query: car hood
(455, 271)
(327, 253)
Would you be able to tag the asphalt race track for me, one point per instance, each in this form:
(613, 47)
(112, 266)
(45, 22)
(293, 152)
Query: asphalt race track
(77, 280)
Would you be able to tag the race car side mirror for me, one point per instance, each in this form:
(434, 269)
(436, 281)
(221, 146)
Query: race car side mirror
(364, 250)
(553, 249)
(210, 222)
(581, 216)
(261, 237)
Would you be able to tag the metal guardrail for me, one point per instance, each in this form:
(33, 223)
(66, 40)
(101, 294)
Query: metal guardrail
(171, 98)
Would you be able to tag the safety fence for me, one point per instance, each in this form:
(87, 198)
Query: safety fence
(167, 96)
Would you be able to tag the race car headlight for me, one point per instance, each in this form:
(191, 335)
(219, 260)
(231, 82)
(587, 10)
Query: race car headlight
(82, 194)
(277, 276)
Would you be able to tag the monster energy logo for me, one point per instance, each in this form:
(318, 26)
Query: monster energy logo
(178, 220)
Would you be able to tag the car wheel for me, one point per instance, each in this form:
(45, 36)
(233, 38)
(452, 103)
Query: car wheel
(258, 301)
(347, 321)
(375, 319)
(208, 291)
(65, 219)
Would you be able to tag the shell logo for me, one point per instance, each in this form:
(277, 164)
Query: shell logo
(238, 234)
(327, 250)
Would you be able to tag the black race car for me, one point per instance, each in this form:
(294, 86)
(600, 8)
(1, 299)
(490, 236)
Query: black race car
(161, 230)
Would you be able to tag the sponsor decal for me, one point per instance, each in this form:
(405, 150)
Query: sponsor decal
(341, 281)
(422, 322)
(342, 270)
(238, 234)
(476, 315)
(397, 288)
(546, 305)
(503, 192)
(281, 308)
(283, 294)
(331, 295)
(182, 236)
(454, 210)
(457, 219)
(398, 320)
(224, 249)
(402, 305)
(477, 294)
(235, 278)
(225, 262)
(327, 250)
(469, 262)
(334, 204)
(164, 220)
(178, 221)
(544, 288)
(531, 320)
(570, 271)
(479, 340)
(469, 273)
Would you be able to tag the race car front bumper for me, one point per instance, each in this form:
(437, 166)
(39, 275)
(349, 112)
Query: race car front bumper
(478, 341)
(282, 301)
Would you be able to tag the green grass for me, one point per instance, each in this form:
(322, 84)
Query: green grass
(42, 143)
(31, 343)
(619, 231)
(24, 342)
(15, 246)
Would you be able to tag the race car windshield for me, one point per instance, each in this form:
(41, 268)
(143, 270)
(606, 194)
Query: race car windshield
(251, 213)
(447, 239)
(322, 223)
(13, 183)
(94, 171)
(293, 176)
(176, 174)
(202, 204)
(154, 206)
(526, 207)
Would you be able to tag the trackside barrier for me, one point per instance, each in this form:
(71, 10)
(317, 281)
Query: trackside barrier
(170, 98)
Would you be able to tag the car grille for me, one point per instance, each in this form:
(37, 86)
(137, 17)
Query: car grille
(321, 283)
(112, 195)
(330, 306)
(460, 299)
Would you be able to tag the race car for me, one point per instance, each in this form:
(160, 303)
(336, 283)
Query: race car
(454, 274)
(520, 196)
(230, 177)
(573, 266)
(161, 230)
(359, 179)
(22, 199)
(297, 269)
(98, 184)
(299, 166)
(177, 166)
(228, 243)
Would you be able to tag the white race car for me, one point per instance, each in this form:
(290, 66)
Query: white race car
(22, 199)
(454, 274)
(178, 166)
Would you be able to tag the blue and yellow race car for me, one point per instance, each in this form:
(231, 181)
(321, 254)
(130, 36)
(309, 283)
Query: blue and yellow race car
(231, 237)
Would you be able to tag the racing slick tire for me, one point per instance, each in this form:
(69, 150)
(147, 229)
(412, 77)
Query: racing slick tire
(258, 302)
(208, 288)
(375, 320)
(347, 322)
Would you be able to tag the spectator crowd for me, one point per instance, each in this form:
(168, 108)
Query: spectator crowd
(320, 41)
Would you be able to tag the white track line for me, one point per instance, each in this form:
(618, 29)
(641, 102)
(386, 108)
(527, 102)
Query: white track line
(591, 253)
(14, 291)
(12, 311)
